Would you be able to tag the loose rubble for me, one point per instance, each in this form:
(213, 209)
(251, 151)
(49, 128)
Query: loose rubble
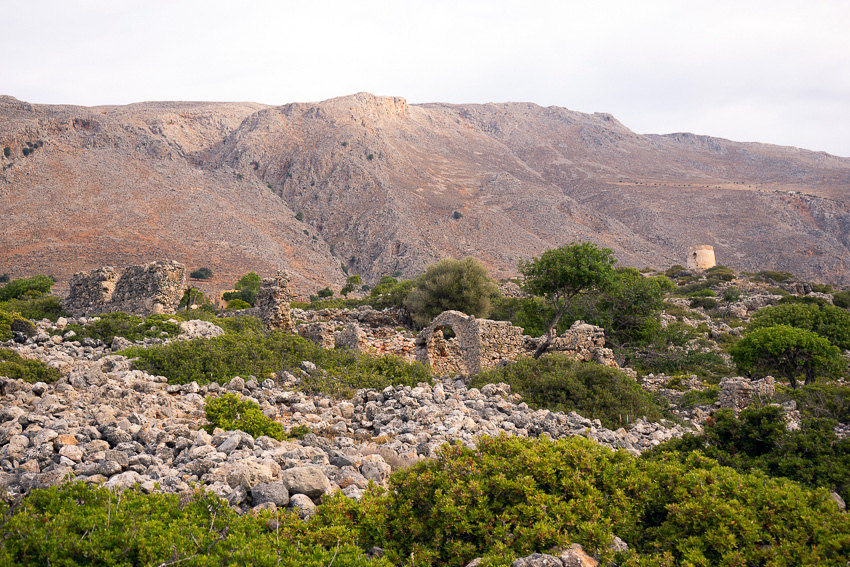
(105, 423)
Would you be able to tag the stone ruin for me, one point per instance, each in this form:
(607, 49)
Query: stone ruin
(701, 258)
(737, 393)
(156, 287)
(482, 344)
(273, 302)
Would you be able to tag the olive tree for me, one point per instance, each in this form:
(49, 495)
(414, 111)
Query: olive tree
(463, 285)
(559, 275)
(787, 352)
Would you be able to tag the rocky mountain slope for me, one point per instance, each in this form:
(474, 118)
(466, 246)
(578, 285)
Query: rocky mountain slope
(385, 187)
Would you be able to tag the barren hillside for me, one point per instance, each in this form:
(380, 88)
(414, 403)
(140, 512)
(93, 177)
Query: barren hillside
(385, 187)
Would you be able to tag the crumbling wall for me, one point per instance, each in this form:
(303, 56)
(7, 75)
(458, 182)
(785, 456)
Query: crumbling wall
(352, 337)
(478, 344)
(582, 343)
(273, 302)
(156, 287)
(737, 393)
(320, 333)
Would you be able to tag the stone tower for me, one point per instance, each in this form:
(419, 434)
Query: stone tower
(701, 258)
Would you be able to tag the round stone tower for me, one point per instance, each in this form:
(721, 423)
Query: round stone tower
(701, 258)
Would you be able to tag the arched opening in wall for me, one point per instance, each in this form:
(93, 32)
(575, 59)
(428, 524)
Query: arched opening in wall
(445, 352)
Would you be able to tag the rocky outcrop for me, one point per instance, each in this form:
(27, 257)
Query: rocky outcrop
(156, 287)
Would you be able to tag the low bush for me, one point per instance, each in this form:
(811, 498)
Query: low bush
(694, 398)
(841, 299)
(79, 525)
(26, 288)
(201, 274)
(507, 498)
(6, 320)
(721, 272)
(828, 321)
(757, 440)
(37, 308)
(829, 400)
(230, 413)
(250, 352)
(238, 304)
(704, 302)
(16, 367)
(772, 276)
(130, 327)
(590, 389)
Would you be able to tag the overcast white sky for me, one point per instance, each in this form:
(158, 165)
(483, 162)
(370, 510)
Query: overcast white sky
(771, 71)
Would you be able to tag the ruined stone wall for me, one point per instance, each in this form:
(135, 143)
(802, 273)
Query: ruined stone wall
(156, 287)
(701, 258)
(273, 302)
(737, 393)
(582, 343)
(466, 356)
(320, 333)
(499, 340)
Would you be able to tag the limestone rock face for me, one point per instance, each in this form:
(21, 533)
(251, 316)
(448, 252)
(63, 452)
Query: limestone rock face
(310, 481)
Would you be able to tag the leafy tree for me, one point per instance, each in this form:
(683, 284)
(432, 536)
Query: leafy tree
(841, 299)
(462, 285)
(561, 274)
(201, 274)
(247, 288)
(788, 352)
(390, 293)
(350, 282)
(325, 293)
(630, 309)
(828, 321)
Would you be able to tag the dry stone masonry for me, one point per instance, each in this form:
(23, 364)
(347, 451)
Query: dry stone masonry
(701, 258)
(156, 287)
(273, 302)
(481, 344)
(737, 393)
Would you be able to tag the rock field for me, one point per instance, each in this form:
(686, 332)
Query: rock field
(103, 422)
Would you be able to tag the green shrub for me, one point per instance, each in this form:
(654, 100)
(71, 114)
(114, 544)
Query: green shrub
(457, 215)
(462, 285)
(6, 320)
(758, 440)
(704, 302)
(238, 304)
(703, 293)
(4, 278)
(721, 272)
(694, 398)
(130, 327)
(26, 288)
(513, 496)
(841, 299)
(828, 321)
(772, 276)
(238, 354)
(804, 299)
(79, 525)
(230, 413)
(16, 367)
(530, 313)
(674, 270)
(558, 384)
(325, 293)
(688, 289)
(201, 274)
(389, 293)
(679, 312)
(299, 216)
(37, 308)
(822, 288)
(731, 294)
(825, 400)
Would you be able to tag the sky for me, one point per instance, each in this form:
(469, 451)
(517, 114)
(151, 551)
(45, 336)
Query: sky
(770, 71)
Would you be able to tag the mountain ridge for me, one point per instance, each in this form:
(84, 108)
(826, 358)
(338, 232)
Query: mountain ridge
(378, 182)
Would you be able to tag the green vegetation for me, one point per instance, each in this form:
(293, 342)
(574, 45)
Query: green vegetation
(508, 498)
(559, 275)
(201, 274)
(14, 366)
(37, 308)
(694, 398)
(823, 399)
(558, 384)
(130, 327)
(7, 151)
(230, 413)
(6, 320)
(350, 283)
(787, 352)
(250, 352)
(772, 276)
(720, 272)
(707, 303)
(841, 299)
(457, 215)
(75, 526)
(828, 321)
(4, 278)
(325, 293)
(246, 289)
(238, 304)
(26, 288)
(462, 285)
(758, 440)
